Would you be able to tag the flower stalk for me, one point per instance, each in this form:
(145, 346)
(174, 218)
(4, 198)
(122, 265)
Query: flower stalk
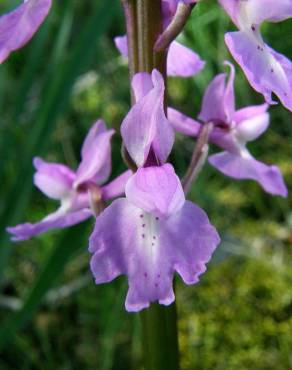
(175, 27)
(199, 156)
(130, 13)
(160, 340)
(159, 323)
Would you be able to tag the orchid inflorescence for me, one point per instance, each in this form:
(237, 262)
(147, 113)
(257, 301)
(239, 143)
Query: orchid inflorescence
(150, 231)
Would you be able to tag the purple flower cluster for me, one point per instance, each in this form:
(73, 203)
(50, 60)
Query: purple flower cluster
(150, 232)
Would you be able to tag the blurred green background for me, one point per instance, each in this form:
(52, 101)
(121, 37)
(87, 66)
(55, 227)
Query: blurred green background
(52, 315)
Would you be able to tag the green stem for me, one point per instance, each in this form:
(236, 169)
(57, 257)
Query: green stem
(159, 323)
(132, 34)
(149, 24)
(160, 339)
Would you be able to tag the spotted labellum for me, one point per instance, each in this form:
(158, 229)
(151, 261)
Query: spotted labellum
(156, 231)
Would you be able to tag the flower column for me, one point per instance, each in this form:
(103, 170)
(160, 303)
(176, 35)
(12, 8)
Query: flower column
(159, 326)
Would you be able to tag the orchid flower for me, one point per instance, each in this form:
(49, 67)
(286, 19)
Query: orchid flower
(181, 61)
(153, 232)
(77, 191)
(233, 129)
(266, 70)
(19, 26)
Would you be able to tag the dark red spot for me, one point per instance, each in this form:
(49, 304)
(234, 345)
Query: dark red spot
(272, 71)
(145, 274)
(253, 28)
(143, 225)
(152, 244)
(143, 235)
(154, 237)
(156, 218)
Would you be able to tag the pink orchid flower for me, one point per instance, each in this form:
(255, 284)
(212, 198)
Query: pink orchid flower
(233, 129)
(153, 232)
(75, 190)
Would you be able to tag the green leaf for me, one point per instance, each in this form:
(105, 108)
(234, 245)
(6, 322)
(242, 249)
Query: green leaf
(70, 243)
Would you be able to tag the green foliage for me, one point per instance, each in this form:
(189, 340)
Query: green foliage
(239, 317)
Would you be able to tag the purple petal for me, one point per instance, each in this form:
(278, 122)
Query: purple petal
(226, 139)
(97, 128)
(96, 161)
(239, 168)
(250, 129)
(182, 61)
(54, 180)
(116, 187)
(122, 45)
(128, 241)
(146, 126)
(246, 113)
(232, 9)
(212, 107)
(218, 101)
(141, 85)
(200, 239)
(182, 123)
(222, 137)
(53, 221)
(229, 99)
(266, 70)
(157, 190)
(267, 10)
(18, 26)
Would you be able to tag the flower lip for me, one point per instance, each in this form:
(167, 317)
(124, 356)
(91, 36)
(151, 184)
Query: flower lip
(150, 250)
